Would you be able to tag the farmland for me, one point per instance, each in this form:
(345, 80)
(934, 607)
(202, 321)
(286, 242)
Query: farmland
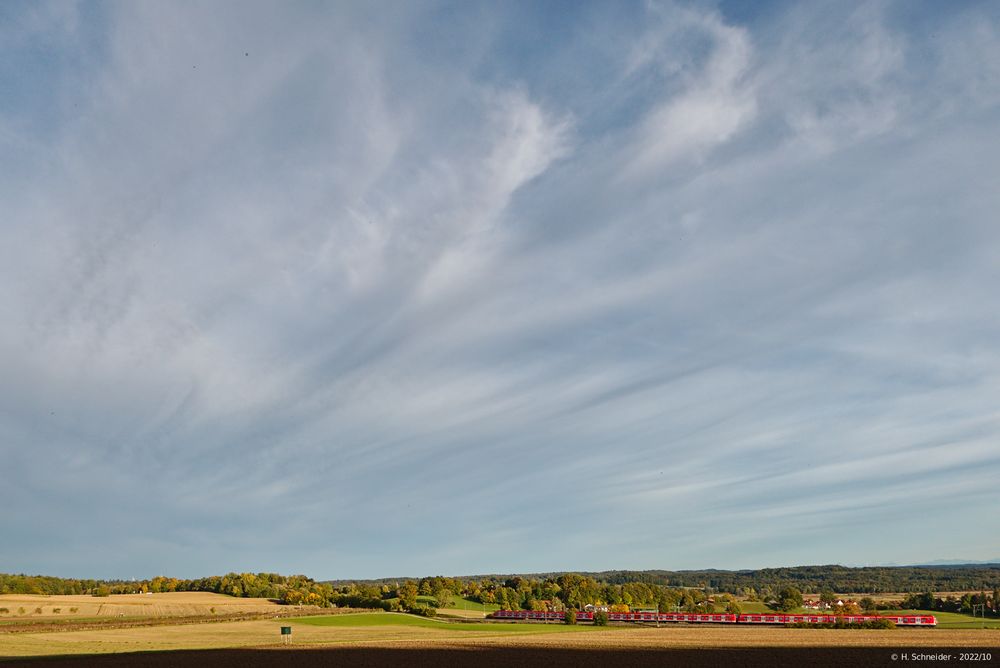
(173, 604)
(388, 630)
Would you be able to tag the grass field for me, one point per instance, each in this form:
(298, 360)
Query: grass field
(466, 604)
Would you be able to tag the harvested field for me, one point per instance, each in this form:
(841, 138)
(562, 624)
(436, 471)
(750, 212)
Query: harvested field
(172, 604)
(264, 634)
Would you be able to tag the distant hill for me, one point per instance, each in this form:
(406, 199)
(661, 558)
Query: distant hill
(959, 563)
(837, 578)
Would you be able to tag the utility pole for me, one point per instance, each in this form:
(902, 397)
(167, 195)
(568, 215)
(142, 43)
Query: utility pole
(982, 609)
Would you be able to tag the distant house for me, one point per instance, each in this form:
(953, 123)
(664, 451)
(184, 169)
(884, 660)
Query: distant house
(815, 605)
(590, 607)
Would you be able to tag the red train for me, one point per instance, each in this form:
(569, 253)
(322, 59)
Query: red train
(718, 618)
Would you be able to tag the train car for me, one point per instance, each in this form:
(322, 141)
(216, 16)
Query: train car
(913, 620)
(770, 618)
(696, 618)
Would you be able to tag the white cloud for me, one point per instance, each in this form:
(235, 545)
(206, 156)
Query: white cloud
(716, 101)
(297, 263)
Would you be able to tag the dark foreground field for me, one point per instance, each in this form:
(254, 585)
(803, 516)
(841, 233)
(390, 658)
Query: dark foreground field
(372, 657)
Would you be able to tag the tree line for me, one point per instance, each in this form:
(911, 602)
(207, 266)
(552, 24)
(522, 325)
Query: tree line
(967, 603)
(808, 579)
(687, 591)
(297, 589)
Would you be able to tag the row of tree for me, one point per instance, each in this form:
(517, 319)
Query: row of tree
(968, 603)
(564, 591)
(296, 589)
(808, 579)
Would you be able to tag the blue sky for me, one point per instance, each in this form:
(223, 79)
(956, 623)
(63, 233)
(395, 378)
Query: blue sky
(363, 290)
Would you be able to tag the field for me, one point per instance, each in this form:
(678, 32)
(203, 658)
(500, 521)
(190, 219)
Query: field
(172, 604)
(463, 608)
(399, 619)
(466, 604)
(392, 630)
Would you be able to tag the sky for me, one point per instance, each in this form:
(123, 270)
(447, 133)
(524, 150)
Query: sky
(365, 290)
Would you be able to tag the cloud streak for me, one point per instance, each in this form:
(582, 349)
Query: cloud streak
(298, 289)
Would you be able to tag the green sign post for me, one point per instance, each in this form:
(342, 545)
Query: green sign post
(286, 633)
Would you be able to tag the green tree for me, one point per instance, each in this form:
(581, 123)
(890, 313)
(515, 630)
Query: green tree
(789, 598)
(443, 596)
(570, 617)
(868, 604)
(600, 618)
(407, 594)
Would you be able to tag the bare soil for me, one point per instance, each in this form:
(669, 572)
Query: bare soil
(501, 657)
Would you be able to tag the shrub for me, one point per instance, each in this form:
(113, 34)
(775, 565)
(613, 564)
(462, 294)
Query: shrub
(570, 617)
(56, 611)
(38, 611)
(600, 618)
(21, 611)
(73, 609)
(423, 611)
(4, 611)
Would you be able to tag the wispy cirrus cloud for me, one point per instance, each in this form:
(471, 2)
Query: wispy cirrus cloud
(722, 301)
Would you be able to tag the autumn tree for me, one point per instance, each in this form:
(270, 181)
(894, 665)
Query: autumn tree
(442, 595)
(407, 594)
(849, 608)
